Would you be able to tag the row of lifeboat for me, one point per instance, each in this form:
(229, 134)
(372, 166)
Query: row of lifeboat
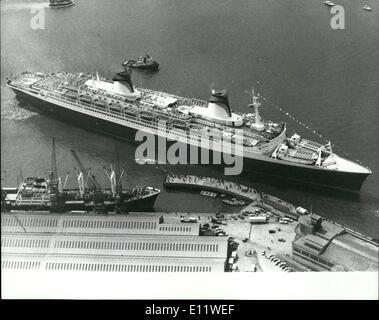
(179, 122)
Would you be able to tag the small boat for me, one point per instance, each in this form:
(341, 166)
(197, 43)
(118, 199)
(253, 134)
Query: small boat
(329, 3)
(208, 194)
(61, 3)
(367, 8)
(146, 161)
(145, 63)
(234, 202)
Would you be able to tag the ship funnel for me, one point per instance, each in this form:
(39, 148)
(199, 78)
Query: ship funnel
(219, 102)
(218, 110)
(124, 77)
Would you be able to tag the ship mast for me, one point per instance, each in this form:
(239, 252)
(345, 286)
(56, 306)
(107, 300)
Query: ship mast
(258, 124)
(53, 175)
(118, 172)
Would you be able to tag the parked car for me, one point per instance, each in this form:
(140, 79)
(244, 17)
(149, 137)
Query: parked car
(249, 253)
(282, 240)
(216, 220)
(234, 244)
(245, 240)
(241, 217)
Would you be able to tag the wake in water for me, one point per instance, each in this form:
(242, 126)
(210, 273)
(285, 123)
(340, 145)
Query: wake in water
(17, 114)
(10, 109)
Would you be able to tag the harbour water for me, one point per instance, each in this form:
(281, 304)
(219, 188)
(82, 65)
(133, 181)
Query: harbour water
(325, 78)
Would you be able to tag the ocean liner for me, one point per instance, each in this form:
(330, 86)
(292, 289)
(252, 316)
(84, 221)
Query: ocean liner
(116, 107)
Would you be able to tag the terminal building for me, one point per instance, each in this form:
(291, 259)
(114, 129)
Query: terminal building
(141, 223)
(325, 246)
(109, 243)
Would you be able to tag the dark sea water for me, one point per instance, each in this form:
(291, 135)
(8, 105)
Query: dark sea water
(327, 78)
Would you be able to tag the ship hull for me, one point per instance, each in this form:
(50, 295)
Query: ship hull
(152, 67)
(144, 203)
(261, 165)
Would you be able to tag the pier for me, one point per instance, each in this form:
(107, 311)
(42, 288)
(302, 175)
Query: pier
(255, 200)
(212, 184)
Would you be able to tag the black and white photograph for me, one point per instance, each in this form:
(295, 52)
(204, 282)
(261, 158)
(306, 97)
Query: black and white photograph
(190, 149)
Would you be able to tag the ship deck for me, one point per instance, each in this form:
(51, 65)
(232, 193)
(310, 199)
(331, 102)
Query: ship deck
(155, 105)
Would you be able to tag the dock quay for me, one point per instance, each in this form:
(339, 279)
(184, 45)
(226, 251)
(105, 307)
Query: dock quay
(255, 200)
(212, 184)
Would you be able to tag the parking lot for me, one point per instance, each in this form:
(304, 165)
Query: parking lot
(261, 239)
(264, 236)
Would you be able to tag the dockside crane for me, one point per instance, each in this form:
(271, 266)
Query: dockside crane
(115, 178)
(53, 174)
(95, 185)
(97, 196)
(55, 182)
(118, 172)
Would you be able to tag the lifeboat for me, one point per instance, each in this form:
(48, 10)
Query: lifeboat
(100, 103)
(85, 99)
(115, 106)
(147, 116)
(130, 113)
(179, 124)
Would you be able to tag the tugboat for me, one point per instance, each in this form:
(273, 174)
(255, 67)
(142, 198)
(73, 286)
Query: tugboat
(330, 3)
(145, 63)
(56, 4)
